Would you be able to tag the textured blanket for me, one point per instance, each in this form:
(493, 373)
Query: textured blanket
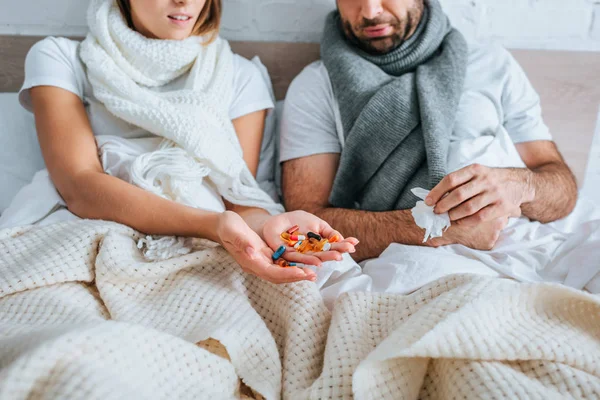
(84, 316)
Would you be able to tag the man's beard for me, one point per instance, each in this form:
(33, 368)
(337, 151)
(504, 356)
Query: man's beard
(384, 45)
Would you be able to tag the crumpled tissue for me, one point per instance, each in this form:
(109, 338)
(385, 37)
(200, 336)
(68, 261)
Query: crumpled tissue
(434, 224)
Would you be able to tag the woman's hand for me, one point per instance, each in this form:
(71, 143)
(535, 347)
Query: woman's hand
(307, 222)
(253, 254)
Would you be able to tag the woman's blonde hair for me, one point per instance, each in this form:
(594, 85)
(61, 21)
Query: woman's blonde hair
(208, 23)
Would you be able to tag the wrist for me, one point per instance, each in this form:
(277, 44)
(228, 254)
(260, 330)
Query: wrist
(446, 240)
(209, 224)
(528, 186)
(256, 219)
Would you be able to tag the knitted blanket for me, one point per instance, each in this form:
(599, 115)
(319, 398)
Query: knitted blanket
(83, 315)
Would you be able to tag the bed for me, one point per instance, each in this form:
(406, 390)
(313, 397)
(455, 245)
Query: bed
(84, 315)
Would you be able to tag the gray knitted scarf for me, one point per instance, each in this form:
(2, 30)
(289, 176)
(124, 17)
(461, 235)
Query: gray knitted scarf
(397, 110)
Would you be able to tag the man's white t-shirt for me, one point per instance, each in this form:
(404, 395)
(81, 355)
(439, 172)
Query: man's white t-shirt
(496, 92)
(55, 62)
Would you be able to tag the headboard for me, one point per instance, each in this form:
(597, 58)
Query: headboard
(568, 84)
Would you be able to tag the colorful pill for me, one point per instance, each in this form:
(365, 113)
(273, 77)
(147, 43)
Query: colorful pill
(283, 263)
(304, 247)
(297, 245)
(297, 237)
(324, 245)
(313, 235)
(334, 239)
(279, 252)
(293, 229)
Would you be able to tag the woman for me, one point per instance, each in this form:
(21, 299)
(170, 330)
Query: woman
(154, 88)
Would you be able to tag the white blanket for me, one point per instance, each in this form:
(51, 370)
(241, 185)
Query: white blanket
(566, 251)
(84, 316)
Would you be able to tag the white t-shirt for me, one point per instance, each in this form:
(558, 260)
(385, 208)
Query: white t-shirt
(496, 92)
(55, 62)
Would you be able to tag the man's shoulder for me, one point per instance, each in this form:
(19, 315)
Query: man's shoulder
(488, 55)
(314, 77)
(311, 85)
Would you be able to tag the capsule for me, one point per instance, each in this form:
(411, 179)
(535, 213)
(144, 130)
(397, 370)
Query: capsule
(297, 238)
(303, 246)
(279, 252)
(323, 245)
(313, 235)
(283, 263)
(334, 239)
(293, 229)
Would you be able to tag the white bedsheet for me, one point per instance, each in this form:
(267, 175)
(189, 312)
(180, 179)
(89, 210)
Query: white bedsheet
(566, 251)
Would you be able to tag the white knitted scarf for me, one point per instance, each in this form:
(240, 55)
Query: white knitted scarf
(126, 69)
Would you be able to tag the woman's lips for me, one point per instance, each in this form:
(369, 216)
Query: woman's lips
(378, 31)
(180, 19)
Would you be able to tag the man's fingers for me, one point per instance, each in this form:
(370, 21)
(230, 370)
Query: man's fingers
(470, 207)
(450, 182)
(458, 196)
(486, 214)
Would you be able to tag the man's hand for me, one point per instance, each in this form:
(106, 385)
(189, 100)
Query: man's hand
(477, 194)
(482, 237)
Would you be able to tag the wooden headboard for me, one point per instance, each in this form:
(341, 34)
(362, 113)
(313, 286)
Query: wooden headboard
(568, 84)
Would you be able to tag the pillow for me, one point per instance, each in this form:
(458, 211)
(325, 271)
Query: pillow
(20, 154)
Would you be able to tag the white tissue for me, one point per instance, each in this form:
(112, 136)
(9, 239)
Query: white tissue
(434, 224)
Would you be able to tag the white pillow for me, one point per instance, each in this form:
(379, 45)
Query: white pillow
(20, 154)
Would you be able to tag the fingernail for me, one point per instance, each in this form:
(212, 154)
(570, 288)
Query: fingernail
(352, 251)
(428, 201)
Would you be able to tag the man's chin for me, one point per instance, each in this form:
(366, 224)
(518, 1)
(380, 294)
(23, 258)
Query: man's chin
(378, 46)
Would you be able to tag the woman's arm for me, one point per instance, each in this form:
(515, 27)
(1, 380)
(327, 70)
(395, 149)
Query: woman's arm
(71, 156)
(249, 129)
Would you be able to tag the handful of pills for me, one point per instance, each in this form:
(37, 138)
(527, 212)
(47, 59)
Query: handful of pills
(309, 242)
(303, 243)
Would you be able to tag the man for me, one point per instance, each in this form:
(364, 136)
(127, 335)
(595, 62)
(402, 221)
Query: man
(375, 118)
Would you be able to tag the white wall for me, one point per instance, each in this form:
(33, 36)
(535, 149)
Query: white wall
(552, 24)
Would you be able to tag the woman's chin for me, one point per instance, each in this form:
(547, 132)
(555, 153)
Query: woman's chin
(174, 35)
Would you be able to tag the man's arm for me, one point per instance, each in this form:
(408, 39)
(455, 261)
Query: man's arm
(307, 183)
(553, 184)
(545, 191)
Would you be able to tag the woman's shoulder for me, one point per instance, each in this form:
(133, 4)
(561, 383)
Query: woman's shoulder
(245, 71)
(251, 87)
(53, 61)
(55, 55)
(57, 48)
